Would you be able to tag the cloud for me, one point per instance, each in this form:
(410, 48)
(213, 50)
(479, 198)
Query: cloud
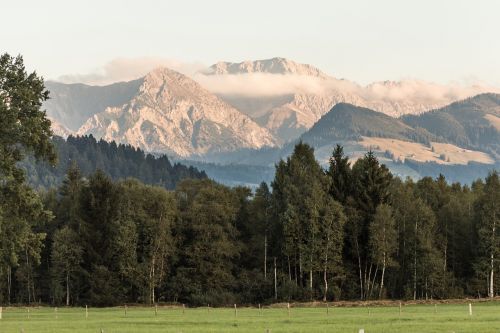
(267, 84)
(426, 92)
(261, 84)
(408, 90)
(127, 69)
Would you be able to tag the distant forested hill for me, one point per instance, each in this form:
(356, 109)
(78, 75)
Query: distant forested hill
(473, 123)
(118, 161)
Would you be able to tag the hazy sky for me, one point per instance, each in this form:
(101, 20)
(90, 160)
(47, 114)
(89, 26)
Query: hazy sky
(437, 40)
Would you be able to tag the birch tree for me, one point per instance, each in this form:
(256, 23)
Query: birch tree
(331, 242)
(383, 241)
(488, 229)
(66, 257)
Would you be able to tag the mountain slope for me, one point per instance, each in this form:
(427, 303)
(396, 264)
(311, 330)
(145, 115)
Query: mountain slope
(295, 95)
(348, 122)
(118, 161)
(72, 104)
(173, 114)
(471, 123)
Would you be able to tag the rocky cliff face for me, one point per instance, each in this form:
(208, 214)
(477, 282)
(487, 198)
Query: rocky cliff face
(173, 114)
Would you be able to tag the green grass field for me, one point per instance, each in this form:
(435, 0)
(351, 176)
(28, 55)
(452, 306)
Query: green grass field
(414, 318)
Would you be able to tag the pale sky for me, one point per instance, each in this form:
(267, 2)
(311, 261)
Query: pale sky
(436, 40)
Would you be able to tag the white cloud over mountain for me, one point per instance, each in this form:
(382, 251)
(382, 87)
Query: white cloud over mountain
(127, 69)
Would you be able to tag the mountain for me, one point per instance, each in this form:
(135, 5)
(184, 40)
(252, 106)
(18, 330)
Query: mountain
(117, 161)
(473, 123)
(287, 97)
(173, 114)
(411, 146)
(349, 122)
(72, 104)
(425, 145)
(59, 129)
(252, 112)
(273, 66)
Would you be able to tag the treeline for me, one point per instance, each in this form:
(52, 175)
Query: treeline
(349, 232)
(116, 160)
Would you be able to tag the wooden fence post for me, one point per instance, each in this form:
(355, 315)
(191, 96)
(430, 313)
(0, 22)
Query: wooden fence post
(235, 311)
(86, 312)
(1, 309)
(470, 309)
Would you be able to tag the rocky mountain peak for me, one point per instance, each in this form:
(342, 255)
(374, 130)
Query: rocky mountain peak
(271, 66)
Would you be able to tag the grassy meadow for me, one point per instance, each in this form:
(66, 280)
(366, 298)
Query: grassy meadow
(413, 318)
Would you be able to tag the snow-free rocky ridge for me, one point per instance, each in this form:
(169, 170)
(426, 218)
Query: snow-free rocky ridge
(173, 114)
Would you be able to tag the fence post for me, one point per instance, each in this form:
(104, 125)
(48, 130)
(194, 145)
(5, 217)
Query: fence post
(235, 311)
(470, 309)
(1, 309)
(288, 307)
(86, 312)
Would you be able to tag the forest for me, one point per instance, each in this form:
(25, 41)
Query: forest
(350, 232)
(116, 160)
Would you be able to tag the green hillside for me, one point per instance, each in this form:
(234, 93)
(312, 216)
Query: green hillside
(464, 123)
(348, 122)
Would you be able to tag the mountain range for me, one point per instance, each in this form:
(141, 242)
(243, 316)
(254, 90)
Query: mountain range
(252, 113)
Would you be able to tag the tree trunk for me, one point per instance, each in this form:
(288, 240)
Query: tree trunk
(360, 271)
(368, 280)
(415, 263)
(151, 281)
(67, 288)
(289, 269)
(295, 267)
(325, 272)
(28, 276)
(382, 278)
(325, 279)
(491, 292)
(265, 257)
(9, 283)
(300, 269)
(275, 281)
(373, 282)
(311, 276)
